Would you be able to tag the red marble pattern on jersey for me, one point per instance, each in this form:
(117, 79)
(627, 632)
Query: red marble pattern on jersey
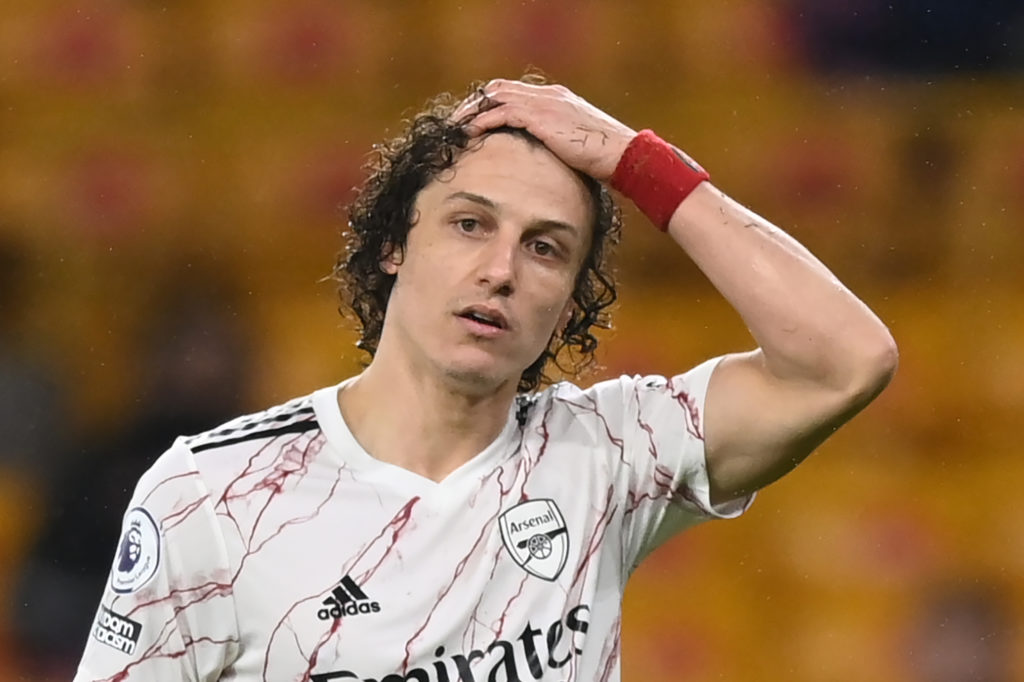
(189, 642)
(690, 407)
(499, 625)
(597, 532)
(663, 475)
(293, 461)
(293, 464)
(176, 518)
(486, 530)
(530, 462)
(593, 542)
(611, 650)
(166, 481)
(298, 519)
(180, 598)
(504, 492)
(596, 536)
(396, 525)
(617, 441)
(206, 590)
(526, 463)
(695, 428)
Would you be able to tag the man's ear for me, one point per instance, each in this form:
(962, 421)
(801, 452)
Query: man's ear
(391, 260)
(566, 315)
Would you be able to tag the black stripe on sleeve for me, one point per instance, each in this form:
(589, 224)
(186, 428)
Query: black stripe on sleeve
(297, 427)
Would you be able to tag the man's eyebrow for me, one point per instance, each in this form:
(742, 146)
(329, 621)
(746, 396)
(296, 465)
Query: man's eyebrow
(475, 198)
(543, 224)
(556, 225)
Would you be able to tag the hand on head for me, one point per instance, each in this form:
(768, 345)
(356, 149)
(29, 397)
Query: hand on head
(580, 134)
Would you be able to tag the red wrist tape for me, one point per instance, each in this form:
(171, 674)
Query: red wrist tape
(656, 176)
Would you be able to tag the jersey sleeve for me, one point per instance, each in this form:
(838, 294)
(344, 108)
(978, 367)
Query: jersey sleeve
(167, 611)
(663, 472)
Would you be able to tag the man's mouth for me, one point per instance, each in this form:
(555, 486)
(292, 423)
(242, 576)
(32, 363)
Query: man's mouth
(485, 316)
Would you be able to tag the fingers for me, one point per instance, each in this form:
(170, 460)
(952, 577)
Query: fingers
(501, 85)
(578, 133)
(496, 94)
(503, 114)
(474, 104)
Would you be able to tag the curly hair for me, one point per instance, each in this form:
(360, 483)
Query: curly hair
(382, 214)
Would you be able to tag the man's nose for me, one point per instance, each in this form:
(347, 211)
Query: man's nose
(498, 265)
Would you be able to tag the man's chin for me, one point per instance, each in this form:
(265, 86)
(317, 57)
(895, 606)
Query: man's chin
(478, 379)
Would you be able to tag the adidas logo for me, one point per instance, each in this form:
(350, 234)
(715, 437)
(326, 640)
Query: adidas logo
(347, 599)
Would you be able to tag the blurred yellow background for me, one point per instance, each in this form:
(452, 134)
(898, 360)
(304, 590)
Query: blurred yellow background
(170, 183)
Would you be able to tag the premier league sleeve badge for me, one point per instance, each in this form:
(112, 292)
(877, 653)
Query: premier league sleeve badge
(138, 552)
(535, 536)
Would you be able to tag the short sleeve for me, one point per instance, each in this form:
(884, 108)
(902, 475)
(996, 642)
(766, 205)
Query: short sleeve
(663, 477)
(167, 610)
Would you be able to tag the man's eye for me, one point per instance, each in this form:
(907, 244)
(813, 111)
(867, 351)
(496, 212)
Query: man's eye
(542, 248)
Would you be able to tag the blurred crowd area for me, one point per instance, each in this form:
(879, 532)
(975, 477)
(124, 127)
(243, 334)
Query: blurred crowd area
(171, 176)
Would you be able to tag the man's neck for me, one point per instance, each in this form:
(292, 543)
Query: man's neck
(421, 422)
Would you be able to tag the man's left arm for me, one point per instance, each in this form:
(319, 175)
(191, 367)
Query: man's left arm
(822, 355)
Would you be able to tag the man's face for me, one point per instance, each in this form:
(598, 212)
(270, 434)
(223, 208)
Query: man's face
(490, 263)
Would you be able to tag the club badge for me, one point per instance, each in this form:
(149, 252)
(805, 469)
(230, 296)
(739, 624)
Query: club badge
(535, 535)
(138, 553)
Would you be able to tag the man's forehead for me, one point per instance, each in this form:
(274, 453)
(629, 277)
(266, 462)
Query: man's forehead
(503, 162)
(506, 143)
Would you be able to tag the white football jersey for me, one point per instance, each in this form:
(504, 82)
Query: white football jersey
(275, 548)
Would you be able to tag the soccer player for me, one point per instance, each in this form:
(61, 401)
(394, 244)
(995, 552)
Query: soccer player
(436, 518)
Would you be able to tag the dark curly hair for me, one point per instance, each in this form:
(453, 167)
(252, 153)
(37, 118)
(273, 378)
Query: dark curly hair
(381, 216)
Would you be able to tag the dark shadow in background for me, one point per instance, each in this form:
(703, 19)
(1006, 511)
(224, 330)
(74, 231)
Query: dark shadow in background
(192, 375)
(33, 404)
(913, 37)
(963, 631)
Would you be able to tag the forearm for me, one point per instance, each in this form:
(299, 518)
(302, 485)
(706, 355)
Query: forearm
(807, 324)
(823, 354)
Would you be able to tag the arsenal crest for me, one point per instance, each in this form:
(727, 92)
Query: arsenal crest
(534, 534)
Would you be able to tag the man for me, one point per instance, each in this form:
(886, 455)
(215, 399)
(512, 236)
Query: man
(432, 519)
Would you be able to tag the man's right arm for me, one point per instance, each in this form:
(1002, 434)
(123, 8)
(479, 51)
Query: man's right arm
(167, 611)
(822, 354)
